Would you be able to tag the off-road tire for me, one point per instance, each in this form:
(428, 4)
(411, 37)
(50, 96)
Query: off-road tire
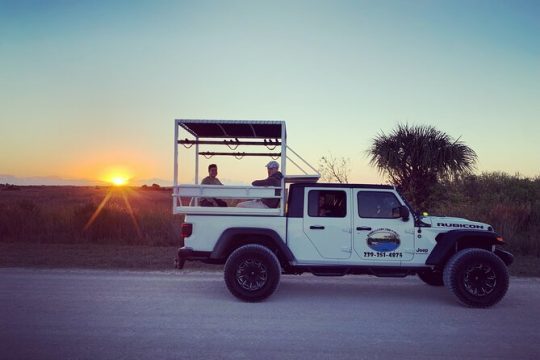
(477, 277)
(252, 272)
(432, 277)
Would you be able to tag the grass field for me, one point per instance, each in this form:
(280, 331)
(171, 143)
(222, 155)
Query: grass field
(100, 227)
(88, 215)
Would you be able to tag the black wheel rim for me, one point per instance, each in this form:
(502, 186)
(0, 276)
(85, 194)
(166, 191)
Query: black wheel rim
(479, 280)
(251, 274)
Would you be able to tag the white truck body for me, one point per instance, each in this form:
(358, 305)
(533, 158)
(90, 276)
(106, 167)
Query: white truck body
(325, 229)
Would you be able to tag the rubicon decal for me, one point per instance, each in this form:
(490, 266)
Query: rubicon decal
(461, 226)
(383, 240)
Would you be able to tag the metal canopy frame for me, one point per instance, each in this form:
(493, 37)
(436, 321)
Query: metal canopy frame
(233, 133)
(234, 129)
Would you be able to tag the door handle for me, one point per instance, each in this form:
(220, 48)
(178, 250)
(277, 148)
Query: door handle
(367, 228)
(316, 227)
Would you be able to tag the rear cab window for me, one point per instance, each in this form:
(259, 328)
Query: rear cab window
(327, 203)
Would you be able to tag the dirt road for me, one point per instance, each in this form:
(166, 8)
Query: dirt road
(83, 314)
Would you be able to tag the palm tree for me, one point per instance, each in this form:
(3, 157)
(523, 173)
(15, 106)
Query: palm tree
(416, 157)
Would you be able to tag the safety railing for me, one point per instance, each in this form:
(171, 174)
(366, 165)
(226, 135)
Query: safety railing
(188, 199)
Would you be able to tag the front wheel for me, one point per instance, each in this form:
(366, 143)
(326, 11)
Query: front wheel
(252, 273)
(477, 277)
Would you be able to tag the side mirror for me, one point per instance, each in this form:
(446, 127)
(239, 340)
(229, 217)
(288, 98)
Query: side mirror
(404, 213)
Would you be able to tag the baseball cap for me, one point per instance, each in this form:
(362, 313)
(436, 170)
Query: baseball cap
(272, 165)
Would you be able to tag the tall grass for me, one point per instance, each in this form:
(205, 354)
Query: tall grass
(62, 214)
(511, 204)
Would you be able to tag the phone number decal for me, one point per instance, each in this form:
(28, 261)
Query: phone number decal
(376, 254)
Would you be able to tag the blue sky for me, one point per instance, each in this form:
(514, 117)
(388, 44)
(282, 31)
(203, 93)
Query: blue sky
(90, 87)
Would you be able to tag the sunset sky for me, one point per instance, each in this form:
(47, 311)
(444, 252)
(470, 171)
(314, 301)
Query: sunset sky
(89, 89)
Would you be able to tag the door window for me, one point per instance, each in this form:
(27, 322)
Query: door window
(327, 203)
(378, 205)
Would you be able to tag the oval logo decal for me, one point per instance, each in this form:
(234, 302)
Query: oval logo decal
(383, 240)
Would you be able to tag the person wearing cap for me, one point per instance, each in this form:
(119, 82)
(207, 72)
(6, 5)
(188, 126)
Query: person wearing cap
(273, 179)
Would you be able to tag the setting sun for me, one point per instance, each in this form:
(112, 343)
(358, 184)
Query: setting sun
(119, 180)
(116, 175)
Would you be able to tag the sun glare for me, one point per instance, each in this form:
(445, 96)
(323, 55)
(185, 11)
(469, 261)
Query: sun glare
(119, 180)
(116, 175)
(113, 194)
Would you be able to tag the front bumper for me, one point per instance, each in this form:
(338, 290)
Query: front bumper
(188, 254)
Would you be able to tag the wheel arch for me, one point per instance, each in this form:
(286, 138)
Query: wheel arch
(455, 240)
(233, 238)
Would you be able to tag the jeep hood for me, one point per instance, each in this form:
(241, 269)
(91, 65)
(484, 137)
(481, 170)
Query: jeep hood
(453, 223)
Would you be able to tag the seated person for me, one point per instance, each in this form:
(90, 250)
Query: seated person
(324, 208)
(212, 179)
(273, 179)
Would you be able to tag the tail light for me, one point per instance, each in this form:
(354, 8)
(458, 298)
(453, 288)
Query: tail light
(186, 230)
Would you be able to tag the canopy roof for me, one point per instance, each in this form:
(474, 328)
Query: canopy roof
(233, 128)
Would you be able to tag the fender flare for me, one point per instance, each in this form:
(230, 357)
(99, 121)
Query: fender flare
(271, 239)
(447, 243)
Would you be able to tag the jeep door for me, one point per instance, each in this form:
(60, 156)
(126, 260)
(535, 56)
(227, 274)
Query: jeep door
(379, 232)
(327, 221)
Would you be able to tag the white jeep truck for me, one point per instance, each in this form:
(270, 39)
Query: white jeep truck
(323, 229)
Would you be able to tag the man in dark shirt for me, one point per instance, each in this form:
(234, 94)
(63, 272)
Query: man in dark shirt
(273, 179)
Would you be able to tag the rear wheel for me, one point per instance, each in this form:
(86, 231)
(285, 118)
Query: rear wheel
(432, 277)
(477, 277)
(252, 273)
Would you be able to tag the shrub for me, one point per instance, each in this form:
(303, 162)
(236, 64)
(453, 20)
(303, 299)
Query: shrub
(510, 203)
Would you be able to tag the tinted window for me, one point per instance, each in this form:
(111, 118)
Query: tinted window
(327, 203)
(378, 204)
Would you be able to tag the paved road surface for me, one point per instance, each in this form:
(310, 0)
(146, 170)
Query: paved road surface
(83, 314)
